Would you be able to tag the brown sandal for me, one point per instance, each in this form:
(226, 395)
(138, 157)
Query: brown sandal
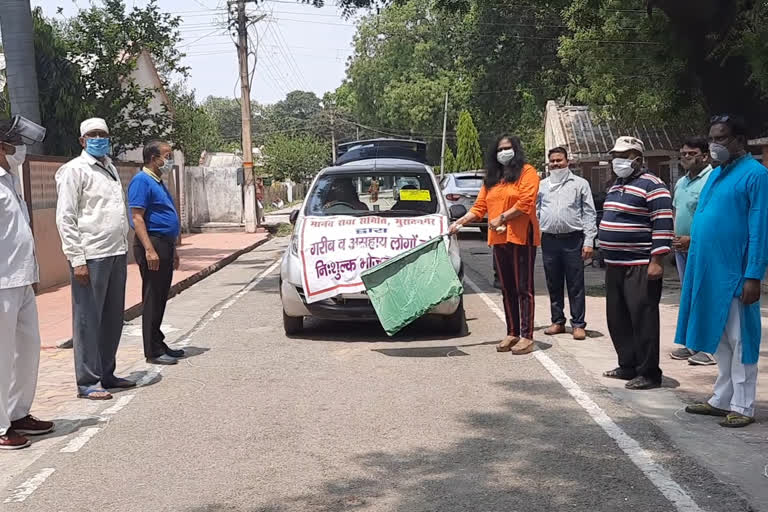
(507, 343)
(525, 346)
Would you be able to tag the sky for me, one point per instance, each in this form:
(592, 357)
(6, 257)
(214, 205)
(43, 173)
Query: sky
(299, 46)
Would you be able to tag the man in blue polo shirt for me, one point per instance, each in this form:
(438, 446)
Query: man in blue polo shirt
(156, 223)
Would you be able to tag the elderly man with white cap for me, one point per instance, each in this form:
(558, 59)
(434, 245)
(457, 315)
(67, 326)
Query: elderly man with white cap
(93, 225)
(635, 234)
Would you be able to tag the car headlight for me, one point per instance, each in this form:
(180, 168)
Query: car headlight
(295, 244)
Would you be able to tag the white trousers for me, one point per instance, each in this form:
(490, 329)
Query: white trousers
(19, 353)
(736, 384)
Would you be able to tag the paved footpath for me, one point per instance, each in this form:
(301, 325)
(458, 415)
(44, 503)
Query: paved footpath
(200, 255)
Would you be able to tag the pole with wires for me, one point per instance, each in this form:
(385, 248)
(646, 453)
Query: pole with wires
(240, 20)
(445, 128)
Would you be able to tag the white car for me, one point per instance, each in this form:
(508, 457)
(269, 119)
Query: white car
(338, 191)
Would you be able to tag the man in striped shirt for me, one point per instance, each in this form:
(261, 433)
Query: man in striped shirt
(635, 235)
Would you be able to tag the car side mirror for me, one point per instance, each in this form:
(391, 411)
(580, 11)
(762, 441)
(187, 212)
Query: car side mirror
(457, 211)
(294, 215)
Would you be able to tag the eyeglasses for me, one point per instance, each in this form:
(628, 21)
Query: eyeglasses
(723, 118)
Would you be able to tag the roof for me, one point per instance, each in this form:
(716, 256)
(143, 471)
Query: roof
(377, 165)
(587, 136)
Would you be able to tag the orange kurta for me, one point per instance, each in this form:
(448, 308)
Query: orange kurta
(521, 195)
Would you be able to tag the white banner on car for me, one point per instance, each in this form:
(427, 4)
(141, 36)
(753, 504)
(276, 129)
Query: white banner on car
(335, 250)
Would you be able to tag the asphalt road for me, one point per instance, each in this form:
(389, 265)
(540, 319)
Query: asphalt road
(345, 418)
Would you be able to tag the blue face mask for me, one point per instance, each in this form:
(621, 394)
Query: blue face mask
(98, 147)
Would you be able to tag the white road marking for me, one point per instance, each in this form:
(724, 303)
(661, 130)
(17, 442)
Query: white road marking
(639, 456)
(30, 486)
(135, 330)
(185, 341)
(26, 489)
(78, 442)
(121, 402)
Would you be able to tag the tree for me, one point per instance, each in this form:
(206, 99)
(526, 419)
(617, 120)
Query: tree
(194, 129)
(469, 156)
(296, 158)
(104, 43)
(450, 160)
(60, 89)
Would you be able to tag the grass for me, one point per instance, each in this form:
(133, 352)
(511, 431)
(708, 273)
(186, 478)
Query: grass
(284, 230)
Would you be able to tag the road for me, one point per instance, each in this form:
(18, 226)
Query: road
(345, 418)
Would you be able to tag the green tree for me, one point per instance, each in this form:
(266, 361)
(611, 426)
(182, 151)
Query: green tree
(469, 156)
(450, 160)
(194, 128)
(60, 88)
(104, 42)
(297, 158)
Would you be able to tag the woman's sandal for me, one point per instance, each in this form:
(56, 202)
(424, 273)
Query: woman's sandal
(507, 343)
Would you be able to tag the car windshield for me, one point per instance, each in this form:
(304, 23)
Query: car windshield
(408, 193)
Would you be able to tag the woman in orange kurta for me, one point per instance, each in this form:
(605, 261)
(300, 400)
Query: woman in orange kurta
(508, 197)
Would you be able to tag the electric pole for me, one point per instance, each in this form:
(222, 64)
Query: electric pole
(445, 127)
(252, 211)
(333, 139)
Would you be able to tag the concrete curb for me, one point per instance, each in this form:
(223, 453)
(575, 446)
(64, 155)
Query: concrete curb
(136, 310)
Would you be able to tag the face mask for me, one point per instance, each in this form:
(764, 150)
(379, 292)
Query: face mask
(18, 157)
(505, 156)
(98, 147)
(719, 153)
(558, 175)
(622, 167)
(167, 165)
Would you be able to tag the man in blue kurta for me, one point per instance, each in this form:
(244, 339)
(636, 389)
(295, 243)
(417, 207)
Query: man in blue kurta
(720, 303)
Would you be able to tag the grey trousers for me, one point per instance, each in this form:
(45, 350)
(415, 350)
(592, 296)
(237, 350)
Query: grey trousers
(97, 321)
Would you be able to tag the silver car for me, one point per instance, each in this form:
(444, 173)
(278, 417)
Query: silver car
(339, 191)
(462, 188)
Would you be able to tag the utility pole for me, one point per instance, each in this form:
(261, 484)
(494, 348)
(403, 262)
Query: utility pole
(333, 139)
(252, 211)
(19, 49)
(445, 128)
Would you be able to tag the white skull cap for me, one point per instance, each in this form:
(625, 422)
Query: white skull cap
(92, 124)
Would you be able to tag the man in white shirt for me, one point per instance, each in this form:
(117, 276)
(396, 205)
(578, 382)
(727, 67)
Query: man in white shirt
(93, 225)
(19, 329)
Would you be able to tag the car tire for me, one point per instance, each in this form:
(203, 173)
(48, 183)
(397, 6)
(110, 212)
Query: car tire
(456, 323)
(292, 324)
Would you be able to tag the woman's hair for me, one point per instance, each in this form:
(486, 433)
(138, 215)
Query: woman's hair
(494, 171)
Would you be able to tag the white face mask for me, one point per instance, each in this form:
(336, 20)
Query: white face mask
(505, 156)
(558, 175)
(18, 157)
(167, 165)
(622, 167)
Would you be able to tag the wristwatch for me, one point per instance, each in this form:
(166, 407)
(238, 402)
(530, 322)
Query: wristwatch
(503, 217)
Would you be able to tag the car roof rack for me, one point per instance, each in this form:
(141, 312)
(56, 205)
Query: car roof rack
(406, 149)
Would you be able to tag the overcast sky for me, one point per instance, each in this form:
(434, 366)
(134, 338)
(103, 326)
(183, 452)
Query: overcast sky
(300, 47)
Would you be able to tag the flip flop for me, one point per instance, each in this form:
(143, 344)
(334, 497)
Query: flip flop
(88, 395)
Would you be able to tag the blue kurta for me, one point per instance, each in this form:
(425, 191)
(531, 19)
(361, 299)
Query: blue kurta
(729, 243)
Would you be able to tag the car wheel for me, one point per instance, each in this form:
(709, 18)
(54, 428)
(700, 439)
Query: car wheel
(292, 324)
(457, 322)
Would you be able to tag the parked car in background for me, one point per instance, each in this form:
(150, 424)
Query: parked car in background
(462, 188)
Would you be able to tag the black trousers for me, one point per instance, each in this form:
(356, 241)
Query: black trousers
(563, 265)
(515, 264)
(632, 307)
(155, 285)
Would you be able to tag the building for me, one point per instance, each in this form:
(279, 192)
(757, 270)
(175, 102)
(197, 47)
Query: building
(588, 138)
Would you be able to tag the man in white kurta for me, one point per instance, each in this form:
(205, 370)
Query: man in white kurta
(19, 330)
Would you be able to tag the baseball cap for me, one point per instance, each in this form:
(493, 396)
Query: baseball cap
(627, 143)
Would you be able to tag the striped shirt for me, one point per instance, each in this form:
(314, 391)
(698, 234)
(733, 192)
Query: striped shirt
(637, 221)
